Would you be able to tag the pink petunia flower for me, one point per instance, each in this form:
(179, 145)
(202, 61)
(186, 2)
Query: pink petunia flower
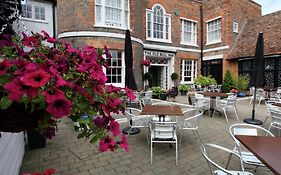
(36, 79)
(101, 122)
(124, 143)
(17, 89)
(29, 41)
(59, 106)
(114, 128)
(106, 51)
(107, 143)
(4, 65)
(130, 93)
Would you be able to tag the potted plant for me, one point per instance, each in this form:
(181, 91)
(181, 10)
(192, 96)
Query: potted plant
(227, 84)
(183, 88)
(205, 80)
(175, 77)
(172, 93)
(40, 85)
(148, 77)
(156, 91)
(241, 83)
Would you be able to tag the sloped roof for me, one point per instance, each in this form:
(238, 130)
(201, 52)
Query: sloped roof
(270, 25)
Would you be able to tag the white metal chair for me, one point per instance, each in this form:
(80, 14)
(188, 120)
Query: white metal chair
(269, 105)
(165, 103)
(275, 115)
(227, 105)
(277, 95)
(192, 124)
(147, 99)
(251, 130)
(215, 168)
(136, 120)
(261, 95)
(202, 103)
(163, 132)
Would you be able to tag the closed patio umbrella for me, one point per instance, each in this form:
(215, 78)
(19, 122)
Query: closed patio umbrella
(129, 75)
(258, 79)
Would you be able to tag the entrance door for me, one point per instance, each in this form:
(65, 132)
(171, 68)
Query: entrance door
(214, 68)
(156, 72)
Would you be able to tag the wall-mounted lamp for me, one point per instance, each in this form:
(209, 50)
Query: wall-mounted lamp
(177, 12)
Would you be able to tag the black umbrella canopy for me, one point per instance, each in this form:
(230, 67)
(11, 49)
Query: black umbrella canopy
(258, 68)
(258, 76)
(129, 74)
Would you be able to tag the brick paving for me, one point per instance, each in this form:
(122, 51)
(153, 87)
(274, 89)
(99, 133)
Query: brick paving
(72, 156)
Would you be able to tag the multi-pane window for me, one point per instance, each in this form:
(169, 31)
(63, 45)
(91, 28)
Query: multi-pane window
(115, 73)
(158, 24)
(188, 71)
(39, 12)
(188, 32)
(32, 11)
(214, 31)
(26, 11)
(113, 13)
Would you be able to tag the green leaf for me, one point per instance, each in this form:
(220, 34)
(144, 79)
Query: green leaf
(5, 102)
(94, 139)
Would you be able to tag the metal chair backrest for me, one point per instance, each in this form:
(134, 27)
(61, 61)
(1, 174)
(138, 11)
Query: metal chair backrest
(275, 115)
(163, 130)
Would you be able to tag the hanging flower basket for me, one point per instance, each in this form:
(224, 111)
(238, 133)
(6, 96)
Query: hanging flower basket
(18, 119)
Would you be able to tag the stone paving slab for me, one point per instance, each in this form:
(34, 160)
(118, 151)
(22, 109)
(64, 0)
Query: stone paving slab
(72, 156)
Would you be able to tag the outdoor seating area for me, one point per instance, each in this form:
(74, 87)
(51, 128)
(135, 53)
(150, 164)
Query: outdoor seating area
(164, 144)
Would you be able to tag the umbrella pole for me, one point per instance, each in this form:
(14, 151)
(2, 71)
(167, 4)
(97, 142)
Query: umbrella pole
(253, 120)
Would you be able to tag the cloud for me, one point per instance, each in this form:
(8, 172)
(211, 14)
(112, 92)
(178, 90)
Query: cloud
(269, 6)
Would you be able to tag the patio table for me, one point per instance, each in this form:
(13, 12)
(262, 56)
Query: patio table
(161, 110)
(266, 149)
(213, 96)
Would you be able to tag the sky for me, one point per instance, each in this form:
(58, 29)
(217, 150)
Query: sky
(269, 6)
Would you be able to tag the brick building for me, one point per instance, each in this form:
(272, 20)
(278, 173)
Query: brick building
(165, 32)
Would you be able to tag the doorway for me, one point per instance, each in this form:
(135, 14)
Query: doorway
(214, 68)
(156, 72)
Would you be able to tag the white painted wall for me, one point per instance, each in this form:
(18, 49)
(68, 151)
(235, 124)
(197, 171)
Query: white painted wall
(37, 25)
(11, 152)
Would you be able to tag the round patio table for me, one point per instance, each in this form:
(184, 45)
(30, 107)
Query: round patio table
(213, 96)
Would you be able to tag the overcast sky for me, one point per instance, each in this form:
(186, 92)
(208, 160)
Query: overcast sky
(269, 6)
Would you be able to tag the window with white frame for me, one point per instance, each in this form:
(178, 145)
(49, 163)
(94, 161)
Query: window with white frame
(158, 24)
(188, 32)
(34, 11)
(112, 13)
(39, 12)
(188, 71)
(116, 72)
(214, 31)
(26, 11)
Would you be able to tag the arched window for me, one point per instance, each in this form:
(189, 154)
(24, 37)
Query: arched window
(112, 13)
(158, 24)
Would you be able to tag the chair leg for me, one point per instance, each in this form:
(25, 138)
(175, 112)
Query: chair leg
(200, 139)
(177, 155)
(236, 113)
(228, 161)
(225, 115)
(151, 148)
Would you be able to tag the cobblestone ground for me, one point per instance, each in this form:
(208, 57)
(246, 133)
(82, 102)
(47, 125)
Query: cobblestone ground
(71, 156)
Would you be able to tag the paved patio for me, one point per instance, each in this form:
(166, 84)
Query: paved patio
(71, 156)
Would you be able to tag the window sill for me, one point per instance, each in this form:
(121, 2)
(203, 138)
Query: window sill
(158, 40)
(214, 42)
(189, 44)
(35, 20)
(110, 27)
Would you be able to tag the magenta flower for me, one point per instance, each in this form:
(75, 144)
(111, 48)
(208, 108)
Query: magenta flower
(130, 93)
(4, 65)
(97, 74)
(17, 89)
(59, 106)
(124, 143)
(29, 41)
(107, 143)
(36, 79)
(101, 122)
(114, 128)
(106, 51)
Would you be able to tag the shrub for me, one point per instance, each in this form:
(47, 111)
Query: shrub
(205, 80)
(174, 76)
(227, 82)
(241, 82)
(183, 87)
(147, 76)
